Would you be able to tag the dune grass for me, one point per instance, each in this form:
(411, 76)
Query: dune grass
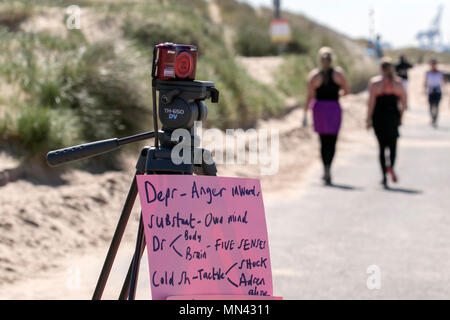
(70, 94)
(243, 100)
(70, 90)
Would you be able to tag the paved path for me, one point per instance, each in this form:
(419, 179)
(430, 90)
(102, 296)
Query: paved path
(323, 241)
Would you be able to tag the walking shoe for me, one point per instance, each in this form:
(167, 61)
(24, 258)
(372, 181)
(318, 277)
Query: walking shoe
(434, 122)
(384, 182)
(327, 176)
(392, 173)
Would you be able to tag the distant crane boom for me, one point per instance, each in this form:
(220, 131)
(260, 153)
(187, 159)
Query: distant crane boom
(436, 23)
(432, 38)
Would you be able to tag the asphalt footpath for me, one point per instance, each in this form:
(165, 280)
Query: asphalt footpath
(356, 240)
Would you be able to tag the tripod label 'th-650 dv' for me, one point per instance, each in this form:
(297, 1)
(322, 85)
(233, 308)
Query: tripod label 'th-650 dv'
(206, 236)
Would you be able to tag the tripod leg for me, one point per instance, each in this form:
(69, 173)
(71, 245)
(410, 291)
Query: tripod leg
(129, 286)
(126, 285)
(115, 242)
(140, 243)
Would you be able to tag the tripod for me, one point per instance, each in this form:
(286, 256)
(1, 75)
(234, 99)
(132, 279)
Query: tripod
(151, 161)
(180, 105)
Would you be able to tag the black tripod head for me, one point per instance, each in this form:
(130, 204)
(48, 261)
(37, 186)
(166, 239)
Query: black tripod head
(181, 103)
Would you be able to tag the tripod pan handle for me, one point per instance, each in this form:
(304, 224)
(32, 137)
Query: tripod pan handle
(82, 151)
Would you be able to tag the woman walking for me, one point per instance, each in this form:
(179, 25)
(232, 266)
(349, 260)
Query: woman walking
(325, 86)
(384, 115)
(434, 82)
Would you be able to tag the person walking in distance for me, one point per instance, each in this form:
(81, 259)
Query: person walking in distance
(386, 91)
(434, 82)
(325, 86)
(401, 68)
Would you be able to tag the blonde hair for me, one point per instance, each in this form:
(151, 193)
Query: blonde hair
(387, 66)
(325, 58)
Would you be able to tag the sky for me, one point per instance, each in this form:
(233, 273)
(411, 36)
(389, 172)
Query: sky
(398, 21)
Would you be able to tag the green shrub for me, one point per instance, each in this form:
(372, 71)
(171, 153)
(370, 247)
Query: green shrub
(151, 34)
(292, 75)
(254, 41)
(44, 129)
(50, 93)
(105, 92)
(87, 93)
(193, 29)
(75, 39)
(33, 127)
(242, 99)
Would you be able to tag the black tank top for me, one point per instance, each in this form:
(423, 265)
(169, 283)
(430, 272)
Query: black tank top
(329, 90)
(386, 116)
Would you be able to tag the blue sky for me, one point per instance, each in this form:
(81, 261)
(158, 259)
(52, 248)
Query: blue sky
(397, 20)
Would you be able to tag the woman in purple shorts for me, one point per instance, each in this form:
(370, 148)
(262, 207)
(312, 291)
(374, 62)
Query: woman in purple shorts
(325, 86)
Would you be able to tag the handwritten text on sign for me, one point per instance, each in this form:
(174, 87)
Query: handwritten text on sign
(205, 236)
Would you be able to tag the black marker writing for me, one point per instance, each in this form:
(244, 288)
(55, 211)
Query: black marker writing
(193, 237)
(152, 195)
(157, 243)
(214, 274)
(251, 281)
(224, 244)
(184, 279)
(210, 193)
(247, 244)
(211, 219)
(171, 221)
(166, 279)
(252, 264)
(194, 255)
(238, 218)
(244, 191)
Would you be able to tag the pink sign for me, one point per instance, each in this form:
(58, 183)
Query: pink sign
(205, 236)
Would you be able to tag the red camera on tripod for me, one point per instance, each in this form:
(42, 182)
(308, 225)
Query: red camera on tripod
(174, 61)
